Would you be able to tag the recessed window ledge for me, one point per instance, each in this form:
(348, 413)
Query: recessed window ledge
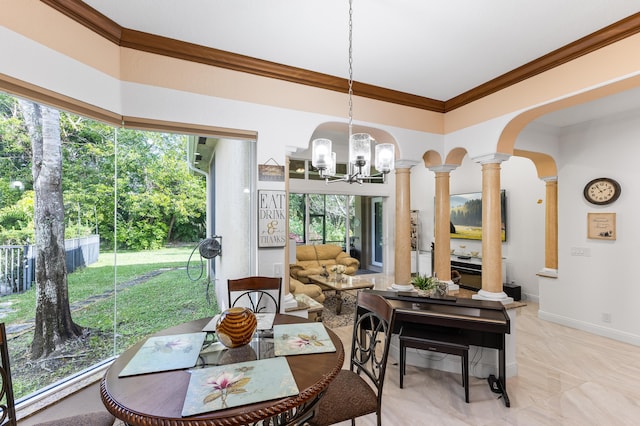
(54, 393)
(548, 273)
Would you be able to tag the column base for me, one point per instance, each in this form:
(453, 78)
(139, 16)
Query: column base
(489, 295)
(451, 286)
(288, 302)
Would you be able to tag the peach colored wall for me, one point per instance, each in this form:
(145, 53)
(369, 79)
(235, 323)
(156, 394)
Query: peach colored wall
(604, 65)
(42, 23)
(157, 70)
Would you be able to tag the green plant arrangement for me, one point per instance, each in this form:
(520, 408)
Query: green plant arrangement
(429, 286)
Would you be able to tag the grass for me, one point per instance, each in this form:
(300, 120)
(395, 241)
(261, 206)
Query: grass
(152, 291)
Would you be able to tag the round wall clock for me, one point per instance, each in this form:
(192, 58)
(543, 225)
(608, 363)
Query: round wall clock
(602, 191)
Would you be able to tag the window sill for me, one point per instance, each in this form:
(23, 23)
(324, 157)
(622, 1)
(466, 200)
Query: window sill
(34, 403)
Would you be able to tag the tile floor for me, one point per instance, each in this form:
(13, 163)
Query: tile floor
(565, 377)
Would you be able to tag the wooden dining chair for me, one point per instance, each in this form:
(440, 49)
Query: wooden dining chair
(7, 402)
(358, 391)
(260, 294)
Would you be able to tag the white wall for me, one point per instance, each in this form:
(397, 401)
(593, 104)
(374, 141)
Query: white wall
(233, 185)
(590, 287)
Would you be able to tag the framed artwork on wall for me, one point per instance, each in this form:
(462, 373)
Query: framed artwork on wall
(601, 226)
(466, 216)
(272, 214)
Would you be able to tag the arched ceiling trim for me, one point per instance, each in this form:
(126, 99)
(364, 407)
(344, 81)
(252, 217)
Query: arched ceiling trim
(511, 131)
(455, 156)
(545, 164)
(432, 159)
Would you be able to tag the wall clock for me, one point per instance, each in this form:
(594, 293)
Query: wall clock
(602, 191)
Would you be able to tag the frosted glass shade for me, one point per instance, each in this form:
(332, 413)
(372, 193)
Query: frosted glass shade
(321, 154)
(385, 157)
(331, 168)
(360, 150)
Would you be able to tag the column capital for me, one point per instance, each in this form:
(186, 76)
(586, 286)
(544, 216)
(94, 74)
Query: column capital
(496, 157)
(549, 178)
(444, 168)
(405, 164)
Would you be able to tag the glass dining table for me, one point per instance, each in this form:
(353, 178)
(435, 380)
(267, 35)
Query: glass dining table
(157, 398)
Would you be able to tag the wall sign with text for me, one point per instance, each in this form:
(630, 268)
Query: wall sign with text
(272, 215)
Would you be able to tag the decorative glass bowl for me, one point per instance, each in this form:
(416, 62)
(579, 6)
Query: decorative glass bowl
(236, 327)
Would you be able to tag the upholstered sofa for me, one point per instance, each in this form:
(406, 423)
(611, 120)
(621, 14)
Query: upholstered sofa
(311, 290)
(311, 258)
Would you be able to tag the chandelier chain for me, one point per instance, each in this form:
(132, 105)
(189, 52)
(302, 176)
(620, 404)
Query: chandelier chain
(350, 67)
(359, 162)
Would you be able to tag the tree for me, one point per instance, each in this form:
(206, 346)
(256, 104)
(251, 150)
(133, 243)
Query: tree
(53, 323)
(159, 200)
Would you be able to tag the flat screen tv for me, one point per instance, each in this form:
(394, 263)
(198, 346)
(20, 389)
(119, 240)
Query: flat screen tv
(466, 215)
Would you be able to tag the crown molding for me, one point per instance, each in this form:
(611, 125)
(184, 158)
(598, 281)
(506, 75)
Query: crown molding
(88, 17)
(590, 43)
(95, 21)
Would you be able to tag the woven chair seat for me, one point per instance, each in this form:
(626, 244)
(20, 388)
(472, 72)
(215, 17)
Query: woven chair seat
(347, 389)
(358, 391)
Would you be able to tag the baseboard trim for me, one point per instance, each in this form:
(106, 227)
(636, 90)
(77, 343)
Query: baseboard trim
(591, 328)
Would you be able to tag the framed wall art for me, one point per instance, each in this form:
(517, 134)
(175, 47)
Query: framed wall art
(466, 216)
(272, 215)
(271, 172)
(601, 226)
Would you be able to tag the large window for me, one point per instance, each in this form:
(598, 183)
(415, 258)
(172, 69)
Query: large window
(348, 221)
(322, 219)
(131, 191)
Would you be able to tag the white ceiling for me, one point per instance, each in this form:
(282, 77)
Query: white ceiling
(434, 49)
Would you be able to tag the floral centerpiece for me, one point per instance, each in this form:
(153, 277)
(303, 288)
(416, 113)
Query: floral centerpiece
(429, 286)
(338, 270)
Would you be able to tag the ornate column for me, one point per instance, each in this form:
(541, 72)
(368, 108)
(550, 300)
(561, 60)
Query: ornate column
(442, 235)
(491, 230)
(402, 252)
(551, 228)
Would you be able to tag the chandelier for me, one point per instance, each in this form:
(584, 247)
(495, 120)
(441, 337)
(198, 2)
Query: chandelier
(323, 157)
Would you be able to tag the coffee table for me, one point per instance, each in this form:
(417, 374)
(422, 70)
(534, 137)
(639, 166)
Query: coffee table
(348, 283)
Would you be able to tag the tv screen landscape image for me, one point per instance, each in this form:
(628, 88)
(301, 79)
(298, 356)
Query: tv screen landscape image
(466, 215)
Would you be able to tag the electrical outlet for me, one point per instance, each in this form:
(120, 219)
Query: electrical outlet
(606, 317)
(277, 269)
(581, 251)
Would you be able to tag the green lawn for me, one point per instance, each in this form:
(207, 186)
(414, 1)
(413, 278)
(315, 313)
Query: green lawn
(152, 291)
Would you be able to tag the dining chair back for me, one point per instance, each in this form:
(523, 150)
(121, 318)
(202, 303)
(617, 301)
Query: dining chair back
(358, 391)
(260, 294)
(7, 402)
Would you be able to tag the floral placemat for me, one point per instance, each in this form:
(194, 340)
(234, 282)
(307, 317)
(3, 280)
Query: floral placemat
(233, 385)
(164, 353)
(299, 339)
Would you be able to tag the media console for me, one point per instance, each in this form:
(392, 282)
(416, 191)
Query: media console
(470, 269)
